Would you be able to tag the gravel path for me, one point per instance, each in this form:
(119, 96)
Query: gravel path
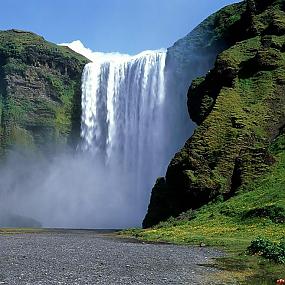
(88, 257)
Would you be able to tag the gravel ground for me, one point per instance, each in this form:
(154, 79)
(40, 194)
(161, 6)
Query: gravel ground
(89, 257)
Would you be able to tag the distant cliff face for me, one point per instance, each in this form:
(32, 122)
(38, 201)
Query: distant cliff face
(239, 107)
(40, 92)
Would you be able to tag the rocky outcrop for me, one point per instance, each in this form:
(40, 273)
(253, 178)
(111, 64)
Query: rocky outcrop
(239, 107)
(40, 93)
(193, 56)
(199, 49)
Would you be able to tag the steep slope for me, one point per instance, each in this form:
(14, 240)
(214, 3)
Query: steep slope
(39, 92)
(200, 47)
(258, 209)
(192, 56)
(240, 109)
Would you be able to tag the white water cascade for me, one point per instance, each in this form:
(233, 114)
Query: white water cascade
(132, 124)
(123, 109)
(134, 119)
(123, 118)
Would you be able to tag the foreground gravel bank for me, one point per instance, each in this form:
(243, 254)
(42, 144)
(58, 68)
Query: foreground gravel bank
(89, 257)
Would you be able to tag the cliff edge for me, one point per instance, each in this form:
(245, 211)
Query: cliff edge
(239, 107)
(40, 95)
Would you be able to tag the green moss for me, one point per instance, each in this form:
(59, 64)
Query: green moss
(24, 45)
(66, 91)
(239, 53)
(15, 67)
(225, 19)
(278, 145)
(274, 213)
(40, 90)
(21, 137)
(240, 108)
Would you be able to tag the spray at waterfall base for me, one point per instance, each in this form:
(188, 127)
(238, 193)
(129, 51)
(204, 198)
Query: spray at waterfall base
(127, 141)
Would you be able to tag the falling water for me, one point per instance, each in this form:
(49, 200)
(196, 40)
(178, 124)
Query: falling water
(123, 117)
(133, 121)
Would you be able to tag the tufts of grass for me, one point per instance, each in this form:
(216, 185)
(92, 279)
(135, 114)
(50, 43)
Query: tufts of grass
(256, 210)
(234, 222)
(12, 231)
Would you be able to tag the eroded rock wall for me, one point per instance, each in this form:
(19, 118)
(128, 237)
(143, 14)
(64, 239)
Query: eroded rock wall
(239, 107)
(40, 93)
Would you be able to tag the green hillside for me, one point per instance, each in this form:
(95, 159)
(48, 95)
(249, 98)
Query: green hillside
(40, 93)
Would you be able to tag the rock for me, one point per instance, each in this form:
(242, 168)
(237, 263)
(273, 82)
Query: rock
(40, 93)
(239, 107)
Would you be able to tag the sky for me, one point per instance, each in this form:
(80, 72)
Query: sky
(126, 26)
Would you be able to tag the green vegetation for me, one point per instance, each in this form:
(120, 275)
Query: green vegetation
(233, 225)
(27, 46)
(39, 92)
(243, 269)
(239, 107)
(268, 249)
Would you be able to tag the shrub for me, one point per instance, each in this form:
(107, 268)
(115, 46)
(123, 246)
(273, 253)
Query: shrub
(268, 249)
(275, 213)
(187, 216)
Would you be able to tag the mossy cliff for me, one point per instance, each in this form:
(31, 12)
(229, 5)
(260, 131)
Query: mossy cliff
(193, 56)
(39, 93)
(239, 107)
(198, 50)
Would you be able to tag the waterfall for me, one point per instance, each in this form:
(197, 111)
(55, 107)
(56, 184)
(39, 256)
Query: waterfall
(133, 121)
(123, 107)
(134, 118)
(123, 111)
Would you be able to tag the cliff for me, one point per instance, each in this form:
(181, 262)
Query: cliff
(199, 49)
(193, 56)
(239, 107)
(40, 93)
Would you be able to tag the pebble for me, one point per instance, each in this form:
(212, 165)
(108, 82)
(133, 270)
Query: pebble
(90, 258)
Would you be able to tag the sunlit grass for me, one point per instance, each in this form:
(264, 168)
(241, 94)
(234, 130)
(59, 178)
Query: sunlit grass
(11, 231)
(225, 225)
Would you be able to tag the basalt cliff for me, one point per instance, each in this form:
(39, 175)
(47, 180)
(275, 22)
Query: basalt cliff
(239, 107)
(40, 95)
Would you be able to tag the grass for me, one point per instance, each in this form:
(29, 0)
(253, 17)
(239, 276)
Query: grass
(46, 117)
(244, 269)
(232, 225)
(12, 231)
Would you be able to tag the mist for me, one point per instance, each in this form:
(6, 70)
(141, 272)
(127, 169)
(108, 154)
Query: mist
(66, 191)
(134, 119)
(128, 137)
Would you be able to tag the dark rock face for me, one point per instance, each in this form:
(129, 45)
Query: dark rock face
(40, 93)
(240, 109)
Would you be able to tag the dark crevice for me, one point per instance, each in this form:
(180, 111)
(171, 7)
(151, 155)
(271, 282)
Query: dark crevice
(236, 180)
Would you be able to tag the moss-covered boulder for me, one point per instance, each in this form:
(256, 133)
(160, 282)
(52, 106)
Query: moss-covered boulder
(40, 92)
(240, 109)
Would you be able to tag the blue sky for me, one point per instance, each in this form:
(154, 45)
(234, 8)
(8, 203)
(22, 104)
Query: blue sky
(127, 26)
